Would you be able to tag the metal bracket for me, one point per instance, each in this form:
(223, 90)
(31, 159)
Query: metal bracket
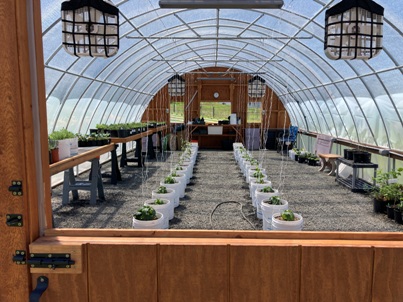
(16, 187)
(41, 286)
(14, 220)
(51, 261)
(20, 257)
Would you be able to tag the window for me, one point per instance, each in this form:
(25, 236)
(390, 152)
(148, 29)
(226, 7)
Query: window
(212, 112)
(254, 113)
(177, 112)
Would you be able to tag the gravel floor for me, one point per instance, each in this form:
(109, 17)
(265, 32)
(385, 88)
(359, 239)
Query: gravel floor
(218, 197)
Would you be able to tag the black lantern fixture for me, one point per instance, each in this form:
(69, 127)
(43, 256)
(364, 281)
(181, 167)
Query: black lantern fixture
(256, 87)
(90, 28)
(176, 86)
(353, 30)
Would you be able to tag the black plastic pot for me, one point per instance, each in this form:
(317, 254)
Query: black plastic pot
(398, 216)
(296, 157)
(312, 162)
(379, 206)
(390, 211)
(362, 157)
(301, 160)
(349, 153)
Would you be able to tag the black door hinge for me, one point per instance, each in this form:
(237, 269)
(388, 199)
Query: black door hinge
(20, 257)
(51, 261)
(14, 220)
(16, 187)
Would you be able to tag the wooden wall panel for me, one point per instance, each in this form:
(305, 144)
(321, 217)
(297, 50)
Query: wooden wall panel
(193, 273)
(388, 275)
(336, 274)
(264, 273)
(64, 287)
(122, 273)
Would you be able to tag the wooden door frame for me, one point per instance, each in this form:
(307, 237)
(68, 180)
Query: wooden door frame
(23, 116)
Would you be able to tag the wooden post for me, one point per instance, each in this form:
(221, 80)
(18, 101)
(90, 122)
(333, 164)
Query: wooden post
(21, 139)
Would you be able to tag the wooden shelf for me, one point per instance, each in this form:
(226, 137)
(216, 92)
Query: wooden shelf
(231, 134)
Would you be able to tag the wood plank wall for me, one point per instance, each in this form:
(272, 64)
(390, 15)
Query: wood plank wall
(231, 270)
(235, 91)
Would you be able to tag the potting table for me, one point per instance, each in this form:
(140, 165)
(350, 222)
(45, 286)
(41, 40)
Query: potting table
(139, 156)
(353, 182)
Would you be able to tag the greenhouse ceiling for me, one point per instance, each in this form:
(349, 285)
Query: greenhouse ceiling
(353, 99)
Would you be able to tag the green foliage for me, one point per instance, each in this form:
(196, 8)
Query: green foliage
(162, 190)
(159, 201)
(391, 193)
(267, 189)
(260, 181)
(274, 200)
(174, 174)
(169, 180)
(258, 174)
(288, 215)
(145, 213)
(61, 134)
(52, 144)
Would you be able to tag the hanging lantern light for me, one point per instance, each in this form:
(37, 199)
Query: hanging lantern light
(256, 87)
(90, 28)
(176, 86)
(353, 30)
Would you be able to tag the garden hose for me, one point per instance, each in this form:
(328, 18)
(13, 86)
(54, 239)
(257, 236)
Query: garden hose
(243, 215)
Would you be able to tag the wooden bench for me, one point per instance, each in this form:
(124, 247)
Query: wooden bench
(322, 148)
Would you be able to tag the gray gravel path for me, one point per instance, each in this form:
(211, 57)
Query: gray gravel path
(218, 190)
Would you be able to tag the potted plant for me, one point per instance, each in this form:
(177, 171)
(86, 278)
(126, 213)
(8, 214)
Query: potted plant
(163, 206)
(312, 159)
(53, 151)
(287, 220)
(67, 142)
(175, 185)
(181, 177)
(261, 194)
(270, 206)
(147, 218)
(302, 157)
(386, 193)
(165, 193)
(398, 212)
(254, 185)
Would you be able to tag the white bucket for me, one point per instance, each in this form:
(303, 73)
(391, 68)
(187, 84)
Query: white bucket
(165, 209)
(149, 224)
(170, 196)
(269, 209)
(261, 196)
(253, 186)
(181, 178)
(281, 225)
(255, 178)
(176, 187)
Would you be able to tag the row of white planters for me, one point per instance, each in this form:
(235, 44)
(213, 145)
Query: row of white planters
(265, 211)
(174, 193)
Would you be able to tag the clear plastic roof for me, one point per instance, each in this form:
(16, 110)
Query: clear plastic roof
(356, 100)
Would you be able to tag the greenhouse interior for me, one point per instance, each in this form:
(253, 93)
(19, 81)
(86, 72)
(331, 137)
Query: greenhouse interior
(223, 141)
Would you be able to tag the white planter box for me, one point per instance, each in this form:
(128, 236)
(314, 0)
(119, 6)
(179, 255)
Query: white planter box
(214, 130)
(64, 148)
